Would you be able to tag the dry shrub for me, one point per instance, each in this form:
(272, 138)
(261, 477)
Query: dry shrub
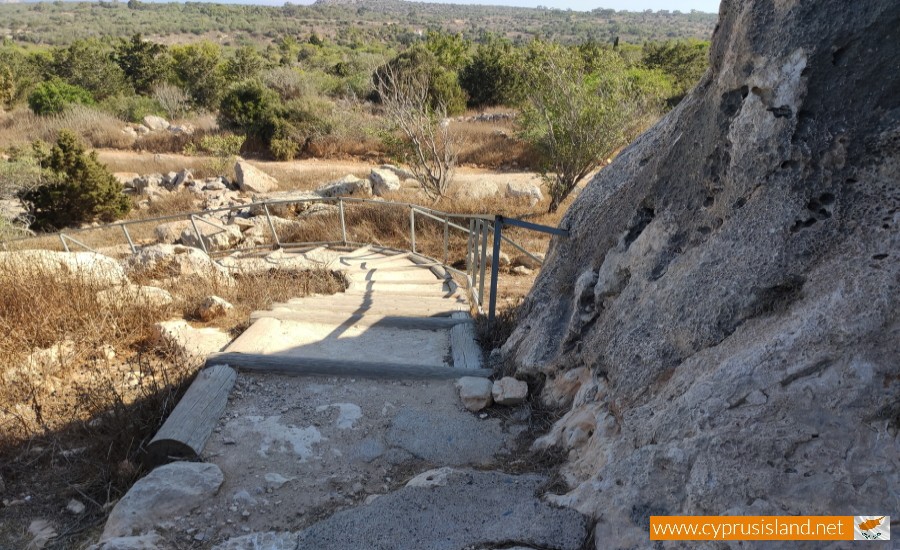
(494, 146)
(20, 127)
(178, 202)
(77, 426)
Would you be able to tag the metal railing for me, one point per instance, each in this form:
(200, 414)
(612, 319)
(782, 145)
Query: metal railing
(476, 227)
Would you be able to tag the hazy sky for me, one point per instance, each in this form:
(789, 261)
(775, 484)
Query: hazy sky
(711, 6)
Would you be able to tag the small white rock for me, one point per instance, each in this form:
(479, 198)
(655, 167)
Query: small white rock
(214, 307)
(509, 391)
(474, 392)
(75, 507)
(522, 270)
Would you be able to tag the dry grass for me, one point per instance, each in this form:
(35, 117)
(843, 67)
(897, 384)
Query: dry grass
(18, 128)
(494, 146)
(76, 426)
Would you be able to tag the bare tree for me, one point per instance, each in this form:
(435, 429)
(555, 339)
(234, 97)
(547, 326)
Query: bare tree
(430, 146)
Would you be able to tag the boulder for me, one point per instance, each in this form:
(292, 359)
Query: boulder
(253, 180)
(524, 191)
(214, 184)
(215, 238)
(213, 307)
(384, 181)
(475, 190)
(163, 260)
(141, 130)
(502, 257)
(90, 268)
(401, 173)
(170, 232)
(522, 270)
(509, 391)
(172, 490)
(140, 184)
(475, 392)
(348, 186)
(285, 210)
(186, 129)
(156, 123)
(732, 278)
(181, 179)
(189, 342)
(130, 132)
(126, 178)
(527, 261)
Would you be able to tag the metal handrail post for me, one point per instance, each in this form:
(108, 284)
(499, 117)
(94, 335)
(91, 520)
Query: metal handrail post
(62, 239)
(446, 240)
(482, 261)
(272, 226)
(343, 222)
(199, 235)
(475, 256)
(412, 228)
(495, 268)
(128, 238)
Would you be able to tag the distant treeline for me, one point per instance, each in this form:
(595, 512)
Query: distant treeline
(389, 21)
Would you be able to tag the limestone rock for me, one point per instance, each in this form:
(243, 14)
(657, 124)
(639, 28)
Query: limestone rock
(384, 181)
(285, 210)
(170, 232)
(253, 180)
(502, 257)
(75, 507)
(181, 179)
(522, 270)
(168, 491)
(156, 123)
(90, 268)
(177, 261)
(42, 532)
(732, 277)
(348, 186)
(524, 260)
(260, 541)
(509, 391)
(475, 191)
(126, 178)
(190, 342)
(475, 392)
(523, 190)
(150, 541)
(215, 237)
(214, 307)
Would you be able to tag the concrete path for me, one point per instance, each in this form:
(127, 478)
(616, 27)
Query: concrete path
(397, 318)
(344, 429)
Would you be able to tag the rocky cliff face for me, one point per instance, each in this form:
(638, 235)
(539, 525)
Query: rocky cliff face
(724, 322)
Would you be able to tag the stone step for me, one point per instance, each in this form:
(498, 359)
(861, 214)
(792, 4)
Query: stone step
(404, 310)
(370, 299)
(363, 320)
(305, 366)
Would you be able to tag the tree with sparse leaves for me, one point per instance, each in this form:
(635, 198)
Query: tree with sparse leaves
(575, 118)
(76, 189)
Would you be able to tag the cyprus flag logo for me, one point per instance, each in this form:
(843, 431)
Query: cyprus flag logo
(871, 528)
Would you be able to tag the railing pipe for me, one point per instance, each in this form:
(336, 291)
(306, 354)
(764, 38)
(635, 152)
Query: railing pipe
(272, 226)
(495, 268)
(343, 222)
(62, 239)
(446, 241)
(412, 228)
(482, 260)
(128, 238)
(199, 235)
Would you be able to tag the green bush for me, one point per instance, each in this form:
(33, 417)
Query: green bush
(249, 107)
(494, 75)
(221, 145)
(77, 189)
(443, 84)
(53, 96)
(89, 64)
(132, 108)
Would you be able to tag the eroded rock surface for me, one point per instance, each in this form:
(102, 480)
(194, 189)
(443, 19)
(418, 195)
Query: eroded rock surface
(729, 294)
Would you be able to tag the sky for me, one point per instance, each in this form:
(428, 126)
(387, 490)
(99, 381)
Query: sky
(711, 6)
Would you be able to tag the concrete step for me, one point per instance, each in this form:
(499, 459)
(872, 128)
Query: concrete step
(368, 299)
(363, 320)
(305, 366)
(372, 307)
